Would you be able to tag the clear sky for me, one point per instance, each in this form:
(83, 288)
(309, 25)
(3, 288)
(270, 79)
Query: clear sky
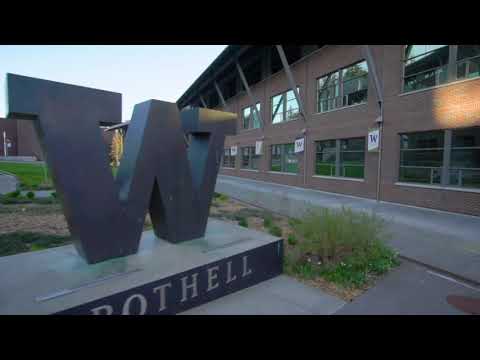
(139, 73)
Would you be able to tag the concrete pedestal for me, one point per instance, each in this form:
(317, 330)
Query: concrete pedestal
(162, 278)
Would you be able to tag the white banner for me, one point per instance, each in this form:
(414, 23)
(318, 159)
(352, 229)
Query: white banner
(258, 147)
(299, 145)
(373, 139)
(233, 150)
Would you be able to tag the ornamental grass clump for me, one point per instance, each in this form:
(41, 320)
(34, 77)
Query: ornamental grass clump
(343, 246)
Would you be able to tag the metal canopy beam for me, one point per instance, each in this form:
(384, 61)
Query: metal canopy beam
(249, 93)
(291, 80)
(372, 69)
(220, 95)
(202, 100)
(203, 81)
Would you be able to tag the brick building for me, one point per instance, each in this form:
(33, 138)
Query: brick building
(23, 138)
(423, 99)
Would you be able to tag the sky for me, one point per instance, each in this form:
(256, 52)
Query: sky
(139, 73)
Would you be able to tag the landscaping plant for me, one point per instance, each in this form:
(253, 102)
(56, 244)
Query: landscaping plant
(345, 247)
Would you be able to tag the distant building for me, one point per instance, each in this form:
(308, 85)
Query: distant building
(23, 139)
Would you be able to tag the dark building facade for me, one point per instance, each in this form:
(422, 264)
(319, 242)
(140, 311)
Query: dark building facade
(23, 139)
(424, 100)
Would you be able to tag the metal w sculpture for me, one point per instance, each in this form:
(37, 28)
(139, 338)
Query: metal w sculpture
(158, 173)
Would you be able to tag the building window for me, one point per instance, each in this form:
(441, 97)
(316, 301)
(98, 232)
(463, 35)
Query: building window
(342, 158)
(352, 158)
(228, 160)
(250, 119)
(326, 158)
(249, 158)
(431, 65)
(443, 157)
(283, 158)
(421, 157)
(464, 170)
(285, 107)
(468, 61)
(345, 87)
(329, 92)
(425, 66)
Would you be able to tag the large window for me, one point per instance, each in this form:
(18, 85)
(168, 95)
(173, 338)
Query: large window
(249, 159)
(342, 158)
(285, 107)
(345, 87)
(464, 167)
(228, 160)
(283, 158)
(450, 157)
(326, 158)
(421, 157)
(425, 66)
(468, 61)
(431, 65)
(250, 119)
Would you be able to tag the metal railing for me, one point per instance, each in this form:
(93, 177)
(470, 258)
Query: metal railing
(434, 173)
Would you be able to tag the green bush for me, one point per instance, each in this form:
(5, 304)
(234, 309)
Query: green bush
(53, 195)
(8, 200)
(13, 194)
(14, 243)
(331, 233)
(31, 195)
(292, 240)
(344, 247)
(243, 222)
(267, 221)
(275, 230)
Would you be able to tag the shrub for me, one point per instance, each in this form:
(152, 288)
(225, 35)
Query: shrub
(31, 195)
(18, 242)
(331, 233)
(292, 240)
(53, 195)
(275, 230)
(344, 247)
(222, 197)
(267, 221)
(243, 222)
(13, 194)
(8, 200)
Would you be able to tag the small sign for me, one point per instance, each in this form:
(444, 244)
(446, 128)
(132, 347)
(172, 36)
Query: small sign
(373, 139)
(258, 147)
(233, 151)
(299, 145)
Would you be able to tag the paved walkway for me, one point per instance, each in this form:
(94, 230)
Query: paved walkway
(411, 290)
(446, 241)
(282, 295)
(40, 193)
(8, 183)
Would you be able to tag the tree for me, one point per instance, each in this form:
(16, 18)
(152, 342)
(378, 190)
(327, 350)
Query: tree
(117, 148)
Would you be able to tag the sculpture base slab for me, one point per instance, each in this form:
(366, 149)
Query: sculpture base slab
(162, 278)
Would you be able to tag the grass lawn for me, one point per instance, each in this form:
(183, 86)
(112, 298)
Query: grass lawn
(31, 176)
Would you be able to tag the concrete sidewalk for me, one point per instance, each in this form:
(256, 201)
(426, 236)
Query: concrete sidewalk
(447, 241)
(282, 295)
(410, 290)
(8, 183)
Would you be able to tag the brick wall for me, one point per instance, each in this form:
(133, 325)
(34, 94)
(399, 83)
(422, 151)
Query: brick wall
(449, 106)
